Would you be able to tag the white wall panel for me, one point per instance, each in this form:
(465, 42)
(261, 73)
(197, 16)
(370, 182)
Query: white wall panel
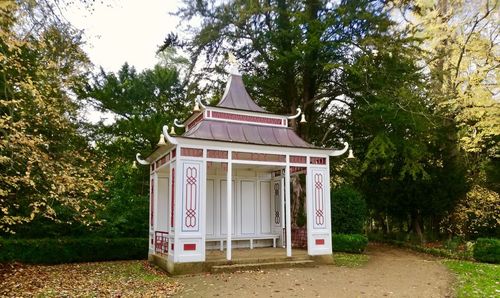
(210, 217)
(248, 205)
(162, 215)
(265, 207)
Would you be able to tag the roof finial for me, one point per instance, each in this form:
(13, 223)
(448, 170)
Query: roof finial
(234, 64)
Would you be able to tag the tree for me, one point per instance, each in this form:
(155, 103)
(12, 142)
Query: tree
(461, 53)
(304, 54)
(47, 169)
(141, 102)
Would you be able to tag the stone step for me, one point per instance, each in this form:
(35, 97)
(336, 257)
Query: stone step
(259, 266)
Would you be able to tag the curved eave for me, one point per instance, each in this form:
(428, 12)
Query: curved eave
(158, 152)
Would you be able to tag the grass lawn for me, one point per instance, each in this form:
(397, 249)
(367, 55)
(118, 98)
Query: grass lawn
(349, 260)
(475, 279)
(103, 279)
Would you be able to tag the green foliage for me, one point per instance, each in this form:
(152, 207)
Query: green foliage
(476, 215)
(352, 243)
(475, 280)
(141, 102)
(487, 250)
(435, 251)
(47, 168)
(65, 250)
(126, 209)
(348, 211)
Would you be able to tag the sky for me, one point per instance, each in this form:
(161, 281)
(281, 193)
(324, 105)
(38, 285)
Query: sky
(119, 31)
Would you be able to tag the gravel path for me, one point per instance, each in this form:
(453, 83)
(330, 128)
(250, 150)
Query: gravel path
(390, 272)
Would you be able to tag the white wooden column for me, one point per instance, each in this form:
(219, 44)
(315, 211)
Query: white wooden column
(229, 204)
(288, 209)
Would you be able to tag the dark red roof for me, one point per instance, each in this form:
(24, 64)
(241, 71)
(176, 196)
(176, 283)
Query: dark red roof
(237, 97)
(246, 133)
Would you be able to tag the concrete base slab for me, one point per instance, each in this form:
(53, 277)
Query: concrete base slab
(243, 259)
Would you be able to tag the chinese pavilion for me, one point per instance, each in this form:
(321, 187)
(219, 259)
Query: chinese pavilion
(193, 208)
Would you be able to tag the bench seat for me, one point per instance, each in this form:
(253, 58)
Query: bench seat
(250, 238)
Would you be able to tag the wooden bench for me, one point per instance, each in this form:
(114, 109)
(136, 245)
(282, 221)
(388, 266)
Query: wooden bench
(250, 238)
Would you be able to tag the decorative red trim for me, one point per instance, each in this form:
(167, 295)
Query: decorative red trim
(277, 200)
(294, 170)
(320, 241)
(190, 246)
(258, 156)
(192, 152)
(220, 154)
(163, 160)
(246, 118)
(172, 209)
(318, 161)
(151, 202)
(318, 199)
(190, 220)
(298, 159)
(174, 153)
(195, 121)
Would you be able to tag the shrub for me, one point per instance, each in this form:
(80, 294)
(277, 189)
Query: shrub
(487, 250)
(348, 211)
(54, 251)
(354, 243)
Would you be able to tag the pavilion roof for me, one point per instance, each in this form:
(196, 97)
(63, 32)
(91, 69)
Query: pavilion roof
(237, 97)
(246, 133)
(236, 101)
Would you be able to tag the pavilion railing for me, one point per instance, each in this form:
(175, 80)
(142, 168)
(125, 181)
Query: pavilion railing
(161, 242)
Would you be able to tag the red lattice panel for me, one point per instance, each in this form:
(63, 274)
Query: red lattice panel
(163, 160)
(299, 170)
(318, 160)
(195, 121)
(220, 154)
(259, 156)
(299, 237)
(297, 159)
(246, 118)
(192, 152)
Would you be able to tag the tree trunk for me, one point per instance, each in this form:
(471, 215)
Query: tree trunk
(415, 225)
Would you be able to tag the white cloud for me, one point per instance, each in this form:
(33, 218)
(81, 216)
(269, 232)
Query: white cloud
(125, 31)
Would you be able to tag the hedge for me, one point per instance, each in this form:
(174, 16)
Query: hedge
(55, 251)
(353, 243)
(487, 250)
(438, 252)
(348, 210)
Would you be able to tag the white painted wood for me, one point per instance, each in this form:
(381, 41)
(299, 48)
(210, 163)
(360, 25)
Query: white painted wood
(229, 208)
(265, 207)
(248, 207)
(283, 220)
(210, 210)
(224, 206)
(288, 210)
(162, 215)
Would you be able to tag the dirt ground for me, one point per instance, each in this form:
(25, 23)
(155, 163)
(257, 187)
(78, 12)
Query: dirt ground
(389, 272)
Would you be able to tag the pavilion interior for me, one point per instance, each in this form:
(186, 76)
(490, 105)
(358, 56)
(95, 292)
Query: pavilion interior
(254, 205)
